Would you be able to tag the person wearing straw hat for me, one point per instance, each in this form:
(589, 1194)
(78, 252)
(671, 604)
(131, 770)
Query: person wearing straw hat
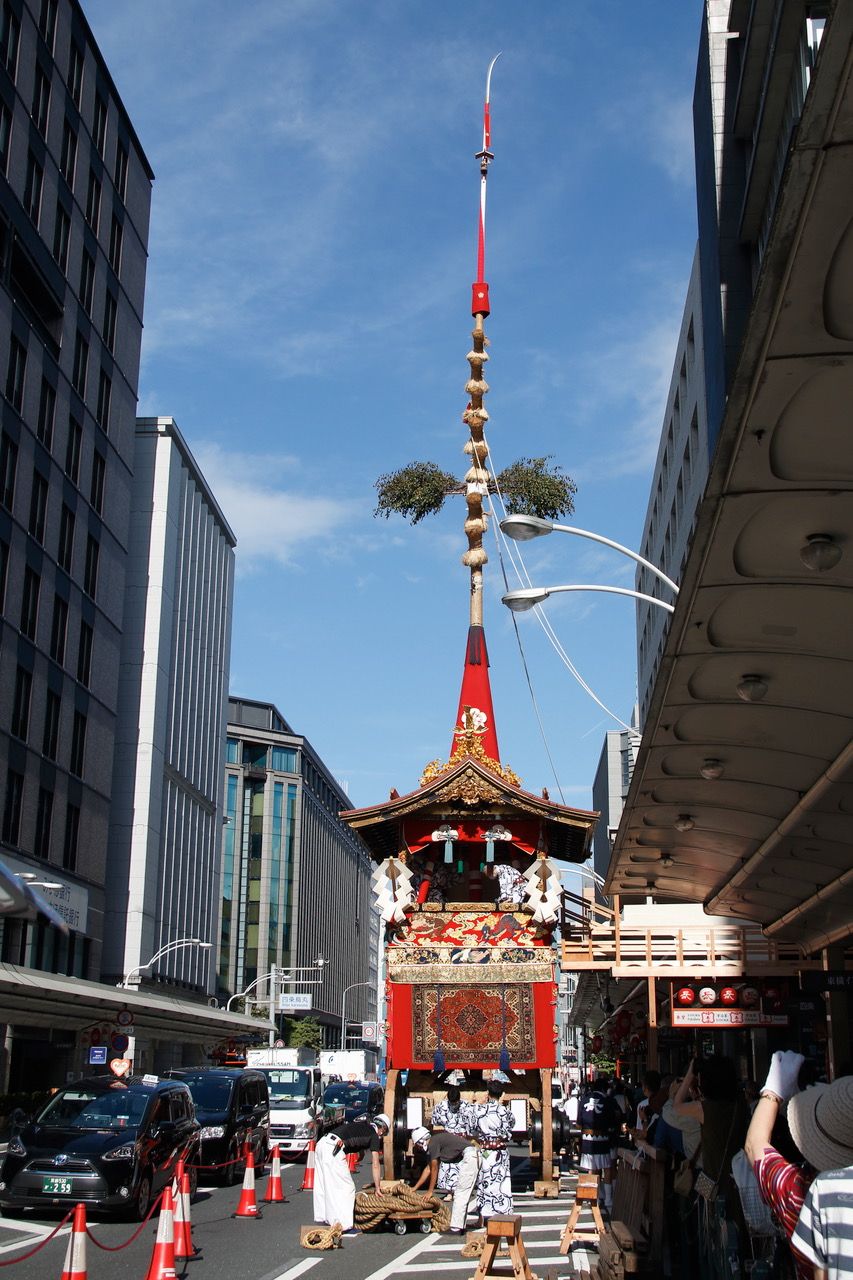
(821, 1124)
(784, 1185)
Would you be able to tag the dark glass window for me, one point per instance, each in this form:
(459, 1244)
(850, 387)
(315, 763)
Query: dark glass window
(105, 392)
(90, 575)
(10, 33)
(78, 744)
(32, 188)
(99, 469)
(61, 236)
(15, 373)
(84, 654)
(72, 833)
(72, 450)
(110, 312)
(75, 74)
(5, 136)
(65, 551)
(93, 201)
(47, 412)
(68, 154)
(12, 807)
(50, 739)
(38, 506)
(81, 365)
(21, 703)
(87, 280)
(58, 629)
(8, 468)
(41, 101)
(47, 22)
(116, 236)
(30, 603)
(4, 572)
(121, 170)
(44, 816)
(99, 125)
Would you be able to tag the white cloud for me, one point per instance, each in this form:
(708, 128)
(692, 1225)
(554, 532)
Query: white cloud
(272, 522)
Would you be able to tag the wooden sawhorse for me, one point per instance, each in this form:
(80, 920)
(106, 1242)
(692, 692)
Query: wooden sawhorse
(586, 1192)
(507, 1228)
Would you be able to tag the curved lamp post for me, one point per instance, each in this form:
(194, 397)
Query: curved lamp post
(528, 597)
(170, 946)
(524, 528)
(352, 986)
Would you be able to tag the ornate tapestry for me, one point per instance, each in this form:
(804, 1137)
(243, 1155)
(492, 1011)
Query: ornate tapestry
(472, 930)
(438, 965)
(473, 1023)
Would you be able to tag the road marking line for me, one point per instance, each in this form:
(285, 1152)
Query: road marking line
(398, 1264)
(465, 1265)
(299, 1269)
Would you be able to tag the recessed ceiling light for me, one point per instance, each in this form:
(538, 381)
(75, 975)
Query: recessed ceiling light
(820, 553)
(752, 688)
(684, 822)
(711, 768)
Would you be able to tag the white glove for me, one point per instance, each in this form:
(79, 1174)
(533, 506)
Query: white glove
(782, 1076)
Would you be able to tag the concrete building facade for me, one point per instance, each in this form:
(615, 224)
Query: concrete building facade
(609, 789)
(295, 879)
(163, 875)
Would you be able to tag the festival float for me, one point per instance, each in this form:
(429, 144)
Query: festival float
(467, 881)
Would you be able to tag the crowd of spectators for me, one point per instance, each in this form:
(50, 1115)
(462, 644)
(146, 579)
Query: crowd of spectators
(759, 1181)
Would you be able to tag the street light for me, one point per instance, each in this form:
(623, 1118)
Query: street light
(280, 974)
(528, 597)
(352, 986)
(170, 946)
(522, 528)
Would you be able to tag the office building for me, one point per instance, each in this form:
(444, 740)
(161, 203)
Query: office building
(295, 879)
(755, 63)
(75, 191)
(609, 789)
(163, 874)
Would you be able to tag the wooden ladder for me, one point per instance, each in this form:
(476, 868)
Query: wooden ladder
(586, 1192)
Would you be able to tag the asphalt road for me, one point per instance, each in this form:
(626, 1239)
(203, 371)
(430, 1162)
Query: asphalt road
(269, 1249)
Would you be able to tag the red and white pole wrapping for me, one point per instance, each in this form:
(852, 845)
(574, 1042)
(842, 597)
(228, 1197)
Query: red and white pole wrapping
(480, 290)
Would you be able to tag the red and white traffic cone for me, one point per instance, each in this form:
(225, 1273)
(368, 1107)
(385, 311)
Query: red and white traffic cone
(184, 1247)
(308, 1176)
(176, 1183)
(248, 1206)
(162, 1265)
(275, 1191)
(75, 1254)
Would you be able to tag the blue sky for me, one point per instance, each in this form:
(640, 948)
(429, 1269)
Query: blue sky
(307, 318)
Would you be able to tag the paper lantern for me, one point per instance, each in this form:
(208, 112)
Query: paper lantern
(728, 995)
(749, 996)
(685, 995)
(707, 995)
(597, 1043)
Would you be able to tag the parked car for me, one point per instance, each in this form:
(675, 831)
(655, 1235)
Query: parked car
(112, 1144)
(359, 1101)
(233, 1108)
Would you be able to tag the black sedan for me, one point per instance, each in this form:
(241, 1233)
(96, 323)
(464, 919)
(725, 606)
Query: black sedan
(112, 1144)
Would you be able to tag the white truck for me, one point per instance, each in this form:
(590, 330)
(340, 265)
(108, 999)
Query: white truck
(296, 1112)
(348, 1064)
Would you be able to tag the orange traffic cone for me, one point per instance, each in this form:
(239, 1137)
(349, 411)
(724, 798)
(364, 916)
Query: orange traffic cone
(176, 1184)
(162, 1265)
(75, 1254)
(184, 1247)
(248, 1206)
(308, 1177)
(275, 1191)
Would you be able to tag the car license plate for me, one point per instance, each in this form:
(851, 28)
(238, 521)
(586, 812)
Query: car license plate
(55, 1186)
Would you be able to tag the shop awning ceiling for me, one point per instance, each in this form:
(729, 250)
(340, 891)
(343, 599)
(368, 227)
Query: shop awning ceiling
(29, 997)
(772, 836)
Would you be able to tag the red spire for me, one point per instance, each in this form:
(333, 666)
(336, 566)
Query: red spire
(476, 696)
